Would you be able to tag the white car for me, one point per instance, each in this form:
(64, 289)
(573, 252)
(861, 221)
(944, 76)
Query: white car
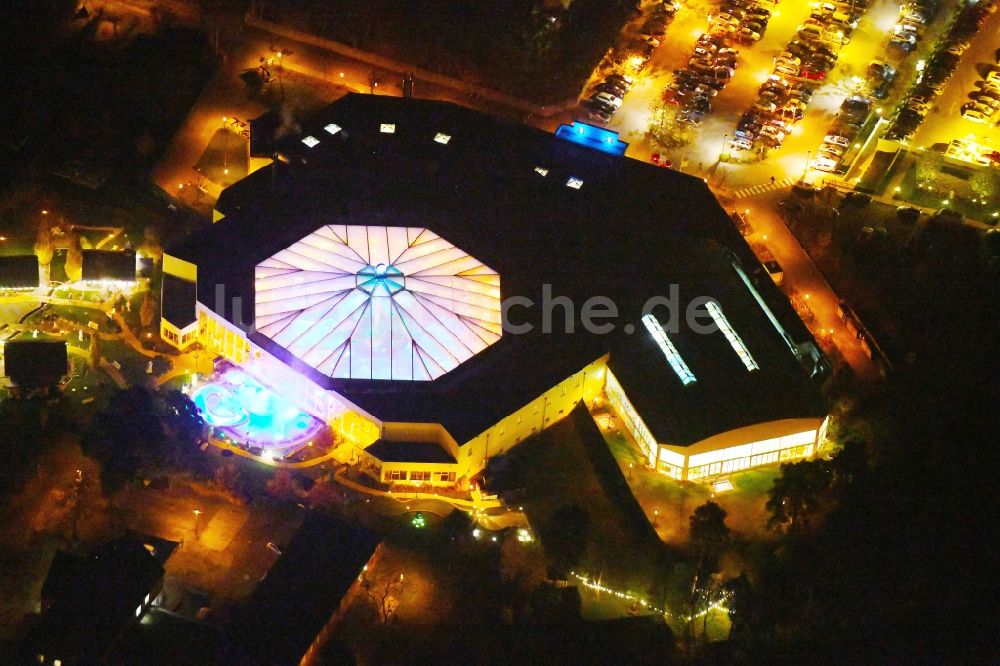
(975, 116)
(831, 149)
(609, 99)
(772, 133)
(993, 78)
(740, 143)
(787, 69)
(837, 140)
(824, 164)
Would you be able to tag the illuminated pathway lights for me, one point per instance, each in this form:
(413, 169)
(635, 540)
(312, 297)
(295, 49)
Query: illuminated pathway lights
(397, 303)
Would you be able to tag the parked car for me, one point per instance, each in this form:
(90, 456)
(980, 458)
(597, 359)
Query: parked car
(832, 149)
(740, 143)
(773, 133)
(598, 116)
(800, 92)
(607, 98)
(810, 33)
(957, 48)
(824, 164)
(837, 140)
(747, 36)
(623, 79)
(975, 116)
(611, 88)
(787, 68)
(601, 106)
(912, 12)
(903, 45)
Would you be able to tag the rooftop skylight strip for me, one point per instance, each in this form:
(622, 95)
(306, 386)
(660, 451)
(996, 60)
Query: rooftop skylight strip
(735, 341)
(669, 350)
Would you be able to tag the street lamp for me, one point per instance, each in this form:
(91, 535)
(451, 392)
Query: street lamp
(197, 512)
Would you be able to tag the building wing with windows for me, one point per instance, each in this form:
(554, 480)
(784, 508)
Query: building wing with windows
(363, 275)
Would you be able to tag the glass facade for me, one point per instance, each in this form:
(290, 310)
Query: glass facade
(620, 403)
(744, 456)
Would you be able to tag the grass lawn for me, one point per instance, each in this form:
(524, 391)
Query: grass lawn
(910, 193)
(668, 503)
(569, 464)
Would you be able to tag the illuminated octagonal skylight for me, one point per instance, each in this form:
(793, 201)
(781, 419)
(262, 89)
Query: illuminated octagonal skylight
(359, 302)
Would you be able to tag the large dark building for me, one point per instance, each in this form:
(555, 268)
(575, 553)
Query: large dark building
(365, 275)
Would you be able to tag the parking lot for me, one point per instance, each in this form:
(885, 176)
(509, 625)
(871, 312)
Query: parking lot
(945, 122)
(755, 62)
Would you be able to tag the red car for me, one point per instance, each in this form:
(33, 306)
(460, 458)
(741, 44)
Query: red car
(812, 74)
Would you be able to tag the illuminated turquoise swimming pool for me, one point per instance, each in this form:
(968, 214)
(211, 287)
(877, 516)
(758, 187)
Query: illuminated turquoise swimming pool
(252, 414)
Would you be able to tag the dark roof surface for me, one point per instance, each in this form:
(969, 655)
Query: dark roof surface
(629, 232)
(109, 265)
(396, 451)
(178, 301)
(35, 362)
(303, 589)
(93, 598)
(20, 272)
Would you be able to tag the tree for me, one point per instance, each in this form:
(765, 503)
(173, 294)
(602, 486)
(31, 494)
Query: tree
(384, 592)
(151, 245)
(124, 437)
(796, 494)
(147, 310)
(74, 257)
(985, 183)
(44, 246)
(666, 126)
(565, 537)
(709, 535)
(284, 486)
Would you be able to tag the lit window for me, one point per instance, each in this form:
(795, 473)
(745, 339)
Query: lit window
(138, 611)
(442, 138)
(388, 128)
(147, 599)
(332, 128)
(735, 341)
(311, 141)
(57, 662)
(669, 350)
(574, 182)
(541, 171)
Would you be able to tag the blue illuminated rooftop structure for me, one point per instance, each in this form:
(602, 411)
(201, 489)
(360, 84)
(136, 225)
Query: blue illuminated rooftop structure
(380, 280)
(598, 138)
